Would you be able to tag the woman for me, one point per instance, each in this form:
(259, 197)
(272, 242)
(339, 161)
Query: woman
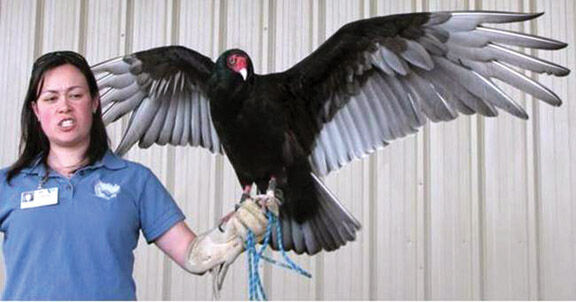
(71, 211)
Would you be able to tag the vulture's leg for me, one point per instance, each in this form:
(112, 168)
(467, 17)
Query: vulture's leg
(246, 193)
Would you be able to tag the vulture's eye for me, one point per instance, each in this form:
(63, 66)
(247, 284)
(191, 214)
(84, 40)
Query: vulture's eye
(232, 60)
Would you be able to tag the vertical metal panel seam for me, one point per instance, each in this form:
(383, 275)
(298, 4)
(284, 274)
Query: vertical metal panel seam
(175, 32)
(530, 129)
(221, 25)
(536, 179)
(368, 168)
(129, 32)
(219, 32)
(122, 16)
(423, 199)
(481, 135)
(312, 19)
(426, 207)
(128, 17)
(372, 286)
(482, 203)
(372, 252)
(39, 28)
(373, 8)
(477, 198)
(272, 25)
(83, 27)
(427, 200)
(268, 25)
(476, 212)
(172, 29)
(369, 290)
(265, 57)
(424, 5)
(318, 34)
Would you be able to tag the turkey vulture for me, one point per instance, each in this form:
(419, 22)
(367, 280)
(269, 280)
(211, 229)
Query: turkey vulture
(372, 81)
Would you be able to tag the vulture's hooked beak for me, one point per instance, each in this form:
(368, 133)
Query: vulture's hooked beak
(244, 73)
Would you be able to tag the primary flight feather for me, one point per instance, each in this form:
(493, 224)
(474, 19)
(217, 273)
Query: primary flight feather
(374, 80)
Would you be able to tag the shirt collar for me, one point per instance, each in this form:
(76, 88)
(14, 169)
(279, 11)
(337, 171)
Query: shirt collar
(109, 160)
(36, 167)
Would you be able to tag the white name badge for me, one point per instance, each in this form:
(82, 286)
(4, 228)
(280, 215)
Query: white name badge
(39, 198)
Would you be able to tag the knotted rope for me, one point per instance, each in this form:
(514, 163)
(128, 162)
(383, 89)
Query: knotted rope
(255, 288)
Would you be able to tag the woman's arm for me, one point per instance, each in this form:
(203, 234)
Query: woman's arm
(175, 242)
(220, 246)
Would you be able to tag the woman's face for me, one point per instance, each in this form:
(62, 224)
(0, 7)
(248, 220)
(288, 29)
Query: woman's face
(64, 107)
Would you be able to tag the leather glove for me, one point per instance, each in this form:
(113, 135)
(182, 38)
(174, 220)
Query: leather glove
(217, 249)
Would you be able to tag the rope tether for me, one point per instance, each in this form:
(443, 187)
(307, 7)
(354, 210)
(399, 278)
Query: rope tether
(255, 288)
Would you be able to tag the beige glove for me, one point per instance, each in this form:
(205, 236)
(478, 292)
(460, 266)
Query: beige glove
(217, 249)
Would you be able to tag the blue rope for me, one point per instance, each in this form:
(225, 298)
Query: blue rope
(255, 288)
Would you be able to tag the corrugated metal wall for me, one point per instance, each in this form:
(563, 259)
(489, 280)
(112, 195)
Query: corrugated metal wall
(472, 209)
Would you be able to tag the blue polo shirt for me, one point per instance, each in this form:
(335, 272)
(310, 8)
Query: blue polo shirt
(82, 247)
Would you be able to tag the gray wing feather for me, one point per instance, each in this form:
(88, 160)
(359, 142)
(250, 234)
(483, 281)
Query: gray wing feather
(394, 61)
(443, 78)
(297, 237)
(378, 109)
(117, 81)
(179, 123)
(354, 134)
(111, 66)
(139, 121)
(379, 61)
(435, 107)
(414, 116)
(336, 136)
(187, 122)
(417, 55)
(482, 35)
(444, 67)
(444, 92)
(515, 38)
(114, 95)
(482, 87)
(359, 120)
(393, 120)
(114, 110)
(467, 21)
(369, 119)
(329, 141)
(169, 125)
(155, 127)
(508, 75)
(167, 105)
(492, 52)
(195, 122)
(432, 44)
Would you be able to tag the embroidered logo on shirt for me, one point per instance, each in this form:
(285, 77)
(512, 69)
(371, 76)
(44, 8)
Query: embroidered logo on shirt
(106, 190)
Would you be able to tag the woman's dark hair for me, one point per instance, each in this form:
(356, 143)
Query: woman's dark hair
(33, 141)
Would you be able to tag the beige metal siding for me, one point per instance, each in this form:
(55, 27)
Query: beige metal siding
(472, 209)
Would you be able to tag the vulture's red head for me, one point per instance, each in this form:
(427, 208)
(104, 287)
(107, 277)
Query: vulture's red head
(239, 62)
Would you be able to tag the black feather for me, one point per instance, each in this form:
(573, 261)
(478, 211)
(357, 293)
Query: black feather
(372, 81)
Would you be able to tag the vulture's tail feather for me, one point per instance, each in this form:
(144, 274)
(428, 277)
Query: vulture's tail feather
(330, 228)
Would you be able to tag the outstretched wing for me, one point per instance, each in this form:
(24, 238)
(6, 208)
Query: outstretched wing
(165, 90)
(379, 79)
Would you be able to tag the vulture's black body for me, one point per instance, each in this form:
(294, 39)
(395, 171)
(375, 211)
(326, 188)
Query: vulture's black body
(371, 82)
(272, 149)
